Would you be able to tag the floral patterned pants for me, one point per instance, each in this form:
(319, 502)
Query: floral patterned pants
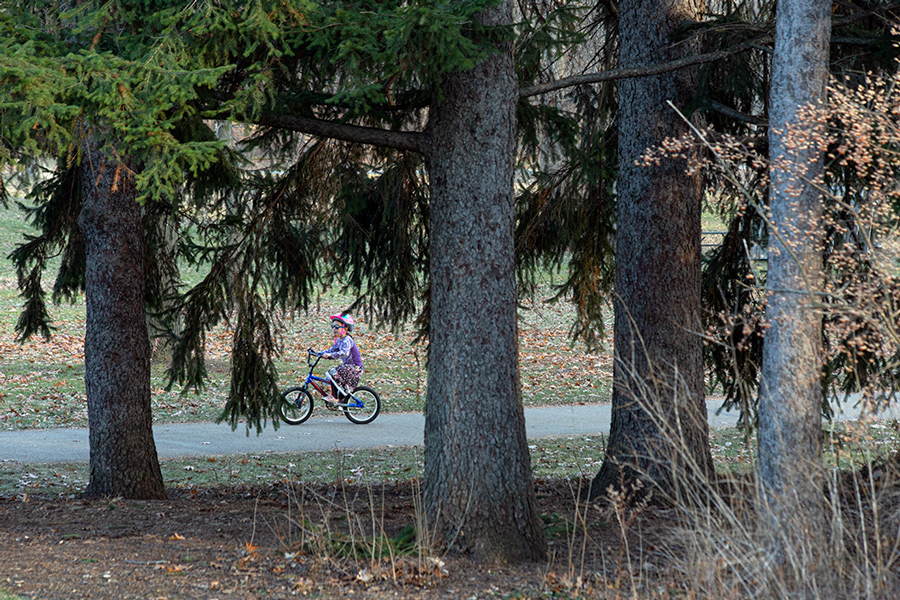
(346, 376)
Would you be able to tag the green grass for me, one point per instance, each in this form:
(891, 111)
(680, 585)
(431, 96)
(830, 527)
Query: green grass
(12, 228)
(551, 457)
(849, 445)
(42, 382)
(710, 221)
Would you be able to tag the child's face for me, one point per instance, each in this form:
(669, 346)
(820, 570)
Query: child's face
(339, 330)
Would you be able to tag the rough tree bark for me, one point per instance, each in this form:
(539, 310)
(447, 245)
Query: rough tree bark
(123, 459)
(478, 483)
(790, 460)
(658, 373)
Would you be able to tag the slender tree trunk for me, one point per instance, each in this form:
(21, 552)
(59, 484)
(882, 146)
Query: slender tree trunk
(790, 460)
(116, 348)
(659, 422)
(478, 484)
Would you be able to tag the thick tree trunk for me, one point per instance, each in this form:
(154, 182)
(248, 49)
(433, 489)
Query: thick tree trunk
(790, 460)
(659, 422)
(116, 348)
(478, 485)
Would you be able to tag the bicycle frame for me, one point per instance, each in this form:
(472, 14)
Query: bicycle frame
(315, 380)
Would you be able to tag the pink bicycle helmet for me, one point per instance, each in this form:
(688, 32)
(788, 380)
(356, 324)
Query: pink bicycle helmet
(345, 319)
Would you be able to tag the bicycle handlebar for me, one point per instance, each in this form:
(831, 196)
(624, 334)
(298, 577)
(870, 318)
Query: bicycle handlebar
(309, 354)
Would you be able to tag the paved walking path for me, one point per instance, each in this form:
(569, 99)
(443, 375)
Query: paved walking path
(324, 432)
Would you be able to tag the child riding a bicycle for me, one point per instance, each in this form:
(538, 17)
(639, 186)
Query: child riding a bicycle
(347, 374)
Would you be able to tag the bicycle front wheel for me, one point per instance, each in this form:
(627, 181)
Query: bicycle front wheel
(371, 406)
(296, 405)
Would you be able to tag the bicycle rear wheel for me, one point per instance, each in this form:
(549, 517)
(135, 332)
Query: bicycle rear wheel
(296, 405)
(371, 406)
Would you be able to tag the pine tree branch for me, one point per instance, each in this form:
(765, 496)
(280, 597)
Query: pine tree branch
(649, 70)
(689, 61)
(383, 138)
(739, 116)
(854, 41)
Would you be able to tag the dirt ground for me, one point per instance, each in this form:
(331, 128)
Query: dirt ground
(277, 542)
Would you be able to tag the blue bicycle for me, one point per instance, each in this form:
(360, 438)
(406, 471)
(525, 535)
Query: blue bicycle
(360, 406)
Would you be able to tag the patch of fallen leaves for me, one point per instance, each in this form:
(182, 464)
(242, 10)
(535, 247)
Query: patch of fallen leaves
(41, 384)
(233, 542)
(420, 571)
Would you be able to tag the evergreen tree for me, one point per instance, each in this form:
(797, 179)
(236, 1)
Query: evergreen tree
(334, 71)
(474, 406)
(730, 91)
(378, 84)
(116, 347)
(109, 121)
(659, 414)
(468, 146)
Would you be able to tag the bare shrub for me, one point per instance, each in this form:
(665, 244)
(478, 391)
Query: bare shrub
(721, 547)
(717, 548)
(331, 529)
